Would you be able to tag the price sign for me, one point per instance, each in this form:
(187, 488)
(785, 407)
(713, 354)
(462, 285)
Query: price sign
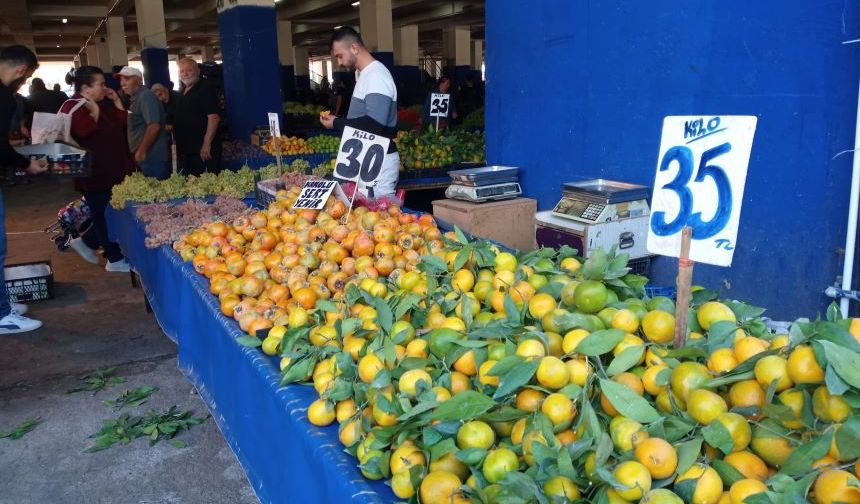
(360, 155)
(439, 104)
(700, 180)
(274, 125)
(315, 193)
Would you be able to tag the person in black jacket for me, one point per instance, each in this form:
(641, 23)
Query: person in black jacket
(17, 64)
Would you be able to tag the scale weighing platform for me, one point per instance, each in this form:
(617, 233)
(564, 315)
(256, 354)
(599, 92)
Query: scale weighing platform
(601, 200)
(484, 184)
(596, 214)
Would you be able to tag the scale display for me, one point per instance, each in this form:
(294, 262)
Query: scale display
(579, 209)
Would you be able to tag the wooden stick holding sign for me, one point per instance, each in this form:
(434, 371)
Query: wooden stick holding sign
(684, 283)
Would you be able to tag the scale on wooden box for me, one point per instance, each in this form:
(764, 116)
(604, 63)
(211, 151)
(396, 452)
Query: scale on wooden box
(600, 200)
(483, 184)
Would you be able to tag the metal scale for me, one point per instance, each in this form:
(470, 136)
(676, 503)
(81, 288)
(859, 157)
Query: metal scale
(601, 200)
(483, 184)
(595, 214)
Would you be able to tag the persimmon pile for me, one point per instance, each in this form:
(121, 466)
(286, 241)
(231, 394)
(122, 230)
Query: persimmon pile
(459, 372)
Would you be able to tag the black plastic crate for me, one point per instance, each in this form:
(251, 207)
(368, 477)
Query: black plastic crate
(28, 282)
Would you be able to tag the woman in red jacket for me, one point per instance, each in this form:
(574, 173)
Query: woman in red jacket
(99, 125)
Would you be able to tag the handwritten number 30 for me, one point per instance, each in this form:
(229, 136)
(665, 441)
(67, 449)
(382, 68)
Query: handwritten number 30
(679, 185)
(370, 165)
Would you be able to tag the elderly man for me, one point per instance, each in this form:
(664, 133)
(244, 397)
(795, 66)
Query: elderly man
(146, 137)
(195, 123)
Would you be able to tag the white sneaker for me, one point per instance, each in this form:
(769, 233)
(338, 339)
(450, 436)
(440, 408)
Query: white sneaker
(84, 251)
(121, 266)
(18, 308)
(14, 323)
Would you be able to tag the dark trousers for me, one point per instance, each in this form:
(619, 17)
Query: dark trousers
(193, 164)
(97, 235)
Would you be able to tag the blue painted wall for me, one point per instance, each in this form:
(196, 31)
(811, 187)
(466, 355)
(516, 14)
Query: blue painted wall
(252, 73)
(578, 89)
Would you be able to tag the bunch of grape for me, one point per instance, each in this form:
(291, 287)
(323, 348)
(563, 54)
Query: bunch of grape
(135, 187)
(299, 166)
(324, 144)
(166, 223)
(269, 172)
(324, 169)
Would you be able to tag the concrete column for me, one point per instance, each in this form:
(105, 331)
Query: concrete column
(249, 49)
(285, 42)
(406, 73)
(457, 50)
(301, 66)
(153, 38)
(104, 54)
(116, 41)
(285, 57)
(477, 54)
(377, 30)
(92, 55)
(207, 53)
(406, 45)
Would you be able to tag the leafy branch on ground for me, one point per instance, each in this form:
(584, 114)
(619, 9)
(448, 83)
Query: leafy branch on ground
(99, 379)
(131, 398)
(21, 429)
(154, 425)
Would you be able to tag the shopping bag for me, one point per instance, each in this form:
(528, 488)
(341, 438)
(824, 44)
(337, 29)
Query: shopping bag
(52, 128)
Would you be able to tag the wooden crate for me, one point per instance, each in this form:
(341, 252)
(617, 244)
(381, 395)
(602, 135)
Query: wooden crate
(509, 222)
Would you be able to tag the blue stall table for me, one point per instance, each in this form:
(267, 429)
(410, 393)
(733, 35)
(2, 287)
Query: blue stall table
(285, 458)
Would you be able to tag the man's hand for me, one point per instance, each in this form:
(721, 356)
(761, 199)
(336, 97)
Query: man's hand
(37, 166)
(327, 121)
(111, 95)
(206, 152)
(140, 155)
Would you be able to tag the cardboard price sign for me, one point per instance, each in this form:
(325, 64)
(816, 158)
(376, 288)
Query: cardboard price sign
(360, 155)
(699, 184)
(274, 125)
(440, 103)
(315, 193)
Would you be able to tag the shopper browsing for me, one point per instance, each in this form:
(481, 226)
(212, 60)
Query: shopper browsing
(146, 115)
(98, 125)
(373, 107)
(195, 126)
(17, 64)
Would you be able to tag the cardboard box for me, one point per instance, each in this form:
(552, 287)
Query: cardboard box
(509, 222)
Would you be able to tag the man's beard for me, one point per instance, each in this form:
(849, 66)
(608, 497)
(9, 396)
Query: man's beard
(350, 63)
(190, 82)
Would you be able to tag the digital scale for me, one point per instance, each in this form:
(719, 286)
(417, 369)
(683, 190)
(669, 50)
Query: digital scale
(484, 184)
(597, 214)
(601, 200)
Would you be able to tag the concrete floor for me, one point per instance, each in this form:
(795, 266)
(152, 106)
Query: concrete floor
(96, 320)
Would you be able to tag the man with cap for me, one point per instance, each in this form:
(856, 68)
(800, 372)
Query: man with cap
(146, 137)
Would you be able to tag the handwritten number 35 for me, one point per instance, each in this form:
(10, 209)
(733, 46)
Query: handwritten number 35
(679, 185)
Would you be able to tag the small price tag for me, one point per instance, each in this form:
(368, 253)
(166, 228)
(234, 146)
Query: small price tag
(700, 181)
(439, 104)
(315, 193)
(360, 155)
(274, 125)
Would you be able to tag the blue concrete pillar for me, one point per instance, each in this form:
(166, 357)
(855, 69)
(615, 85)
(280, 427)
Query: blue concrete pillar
(252, 73)
(155, 69)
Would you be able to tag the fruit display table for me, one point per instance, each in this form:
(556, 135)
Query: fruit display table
(285, 458)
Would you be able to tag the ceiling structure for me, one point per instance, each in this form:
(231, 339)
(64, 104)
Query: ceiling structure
(192, 24)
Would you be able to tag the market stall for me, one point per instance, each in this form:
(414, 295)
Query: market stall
(266, 425)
